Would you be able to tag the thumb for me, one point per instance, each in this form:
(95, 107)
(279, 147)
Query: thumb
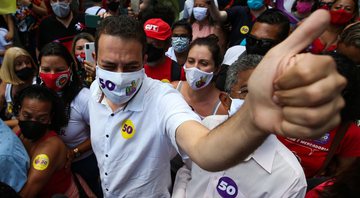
(306, 33)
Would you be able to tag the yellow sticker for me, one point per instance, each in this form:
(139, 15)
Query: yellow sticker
(165, 80)
(127, 129)
(244, 29)
(41, 162)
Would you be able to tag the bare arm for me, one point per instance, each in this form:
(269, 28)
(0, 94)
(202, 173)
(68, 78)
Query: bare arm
(218, 15)
(38, 9)
(46, 159)
(10, 35)
(83, 147)
(283, 99)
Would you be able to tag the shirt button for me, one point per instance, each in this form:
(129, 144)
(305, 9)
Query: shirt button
(106, 155)
(107, 189)
(105, 173)
(107, 136)
(112, 114)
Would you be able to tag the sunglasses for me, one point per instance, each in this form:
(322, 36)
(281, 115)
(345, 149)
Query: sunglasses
(328, 4)
(263, 43)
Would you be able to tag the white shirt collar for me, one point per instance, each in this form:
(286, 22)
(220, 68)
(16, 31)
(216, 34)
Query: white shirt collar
(264, 155)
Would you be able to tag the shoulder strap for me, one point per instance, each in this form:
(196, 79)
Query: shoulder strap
(175, 71)
(337, 139)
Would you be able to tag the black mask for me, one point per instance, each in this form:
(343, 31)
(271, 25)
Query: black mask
(154, 53)
(258, 46)
(113, 6)
(32, 130)
(25, 73)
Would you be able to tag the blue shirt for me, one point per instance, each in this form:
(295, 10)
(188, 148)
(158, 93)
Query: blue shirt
(14, 160)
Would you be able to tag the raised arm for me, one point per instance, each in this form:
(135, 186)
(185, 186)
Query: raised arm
(216, 14)
(297, 95)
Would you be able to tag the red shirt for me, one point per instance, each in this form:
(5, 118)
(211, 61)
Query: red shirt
(312, 153)
(163, 72)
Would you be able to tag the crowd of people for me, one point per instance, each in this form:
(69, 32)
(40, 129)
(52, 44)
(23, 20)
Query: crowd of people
(234, 98)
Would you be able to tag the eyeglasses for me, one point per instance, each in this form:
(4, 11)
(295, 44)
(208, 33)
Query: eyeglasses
(263, 43)
(241, 93)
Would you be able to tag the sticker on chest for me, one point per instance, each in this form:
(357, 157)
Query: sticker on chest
(127, 129)
(226, 187)
(41, 162)
(244, 29)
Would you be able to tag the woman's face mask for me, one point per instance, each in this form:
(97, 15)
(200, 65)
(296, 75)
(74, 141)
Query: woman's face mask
(61, 9)
(196, 78)
(200, 13)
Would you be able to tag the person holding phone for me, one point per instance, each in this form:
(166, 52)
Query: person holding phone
(86, 68)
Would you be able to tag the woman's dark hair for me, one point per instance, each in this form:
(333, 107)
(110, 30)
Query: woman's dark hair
(346, 185)
(185, 24)
(44, 94)
(73, 87)
(351, 92)
(211, 42)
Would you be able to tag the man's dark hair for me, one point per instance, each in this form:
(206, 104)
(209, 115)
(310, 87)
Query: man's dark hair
(276, 17)
(185, 24)
(44, 94)
(124, 27)
(159, 10)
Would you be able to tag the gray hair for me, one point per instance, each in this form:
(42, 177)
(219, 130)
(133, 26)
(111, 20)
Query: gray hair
(243, 63)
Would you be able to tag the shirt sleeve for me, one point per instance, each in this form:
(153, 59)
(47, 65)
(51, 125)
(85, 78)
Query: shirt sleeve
(175, 111)
(183, 176)
(350, 144)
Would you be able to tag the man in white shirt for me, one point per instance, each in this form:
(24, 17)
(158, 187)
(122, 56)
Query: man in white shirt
(137, 123)
(270, 171)
(96, 9)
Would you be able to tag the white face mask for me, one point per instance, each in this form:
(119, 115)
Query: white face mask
(61, 9)
(119, 88)
(196, 78)
(235, 105)
(199, 13)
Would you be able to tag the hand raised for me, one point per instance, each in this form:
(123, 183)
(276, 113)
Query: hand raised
(294, 94)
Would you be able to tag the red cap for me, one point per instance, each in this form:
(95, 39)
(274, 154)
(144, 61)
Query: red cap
(157, 29)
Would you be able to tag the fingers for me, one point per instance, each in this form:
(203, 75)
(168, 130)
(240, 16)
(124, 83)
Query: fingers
(304, 69)
(304, 35)
(315, 116)
(293, 130)
(89, 67)
(319, 92)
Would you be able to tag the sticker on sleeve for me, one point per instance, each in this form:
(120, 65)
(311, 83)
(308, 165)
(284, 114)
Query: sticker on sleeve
(244, 29)
(41, 162)
(226, 187)
(165, 80)
(128, 129)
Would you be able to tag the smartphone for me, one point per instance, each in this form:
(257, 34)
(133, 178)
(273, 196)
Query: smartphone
(89, 49)
(92, 21)
(135, 6)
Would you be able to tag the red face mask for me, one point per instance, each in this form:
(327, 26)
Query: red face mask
(340, 17)
(80, 57)
(55, 81)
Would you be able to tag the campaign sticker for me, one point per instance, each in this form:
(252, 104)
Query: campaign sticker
(165, 80)
(324, 139)
(127, 129)
(244, 29)
(226, 187)
(41, 162)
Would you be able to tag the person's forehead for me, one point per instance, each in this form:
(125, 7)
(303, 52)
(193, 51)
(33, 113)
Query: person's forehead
(36, 106)
(180, 30)
(265, 31)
